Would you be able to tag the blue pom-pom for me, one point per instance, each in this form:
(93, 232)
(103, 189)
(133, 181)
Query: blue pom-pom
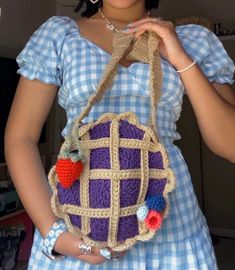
(156, 203)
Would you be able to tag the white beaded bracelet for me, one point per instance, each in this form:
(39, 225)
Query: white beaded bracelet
(188, 67)
(48, 243)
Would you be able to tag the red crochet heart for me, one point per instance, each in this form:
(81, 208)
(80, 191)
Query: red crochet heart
(68, 171)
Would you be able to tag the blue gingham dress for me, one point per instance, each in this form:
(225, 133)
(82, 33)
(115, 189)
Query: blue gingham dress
(58, 54)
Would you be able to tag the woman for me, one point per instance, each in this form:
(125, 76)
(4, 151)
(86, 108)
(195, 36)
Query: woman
(66, 55)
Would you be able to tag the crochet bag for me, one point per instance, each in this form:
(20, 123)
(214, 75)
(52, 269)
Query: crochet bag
(112, 176)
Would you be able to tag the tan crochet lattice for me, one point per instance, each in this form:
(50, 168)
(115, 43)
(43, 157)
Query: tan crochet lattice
(146, 50)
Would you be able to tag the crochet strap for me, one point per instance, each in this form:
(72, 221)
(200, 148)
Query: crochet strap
(145, 49)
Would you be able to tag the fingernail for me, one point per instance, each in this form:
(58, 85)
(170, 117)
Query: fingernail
(126, 29)
(135, 29)
(105, 253)
(131, 30)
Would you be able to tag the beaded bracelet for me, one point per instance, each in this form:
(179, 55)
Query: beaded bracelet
(48, 243)
(188, 67)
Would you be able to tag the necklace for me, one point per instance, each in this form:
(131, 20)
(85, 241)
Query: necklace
(109, 25)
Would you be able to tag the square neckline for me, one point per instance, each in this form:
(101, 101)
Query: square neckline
(104, 52)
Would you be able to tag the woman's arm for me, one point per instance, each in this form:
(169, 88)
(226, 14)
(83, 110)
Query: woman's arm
(225, 91)
(29, 111)
(214, 106)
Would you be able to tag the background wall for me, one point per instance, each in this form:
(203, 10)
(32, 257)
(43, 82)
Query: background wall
(215, 10)
(19, 20)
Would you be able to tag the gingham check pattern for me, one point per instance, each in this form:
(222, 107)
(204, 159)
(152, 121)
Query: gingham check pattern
(57, 53)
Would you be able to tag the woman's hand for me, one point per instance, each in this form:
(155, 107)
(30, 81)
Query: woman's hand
(68, 245)
(170, 46)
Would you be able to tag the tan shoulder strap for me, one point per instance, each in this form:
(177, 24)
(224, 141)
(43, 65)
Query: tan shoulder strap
(145, 49)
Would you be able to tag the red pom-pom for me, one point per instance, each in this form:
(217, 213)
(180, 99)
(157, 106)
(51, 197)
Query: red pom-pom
(153, 220)
(68, 171)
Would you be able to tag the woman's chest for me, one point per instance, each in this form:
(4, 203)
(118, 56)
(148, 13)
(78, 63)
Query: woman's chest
(83, 70)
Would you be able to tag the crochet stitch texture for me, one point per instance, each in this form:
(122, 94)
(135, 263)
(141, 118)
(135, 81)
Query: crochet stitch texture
(124, 163)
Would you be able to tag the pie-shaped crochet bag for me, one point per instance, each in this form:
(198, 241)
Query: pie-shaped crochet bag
(112, 176)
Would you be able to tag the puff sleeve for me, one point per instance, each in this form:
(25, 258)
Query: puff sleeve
(41, 57)
(206, 48)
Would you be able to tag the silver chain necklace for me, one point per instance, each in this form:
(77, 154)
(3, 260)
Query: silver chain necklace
(109, 25)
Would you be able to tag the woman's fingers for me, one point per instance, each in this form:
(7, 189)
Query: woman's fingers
(92, 259)
(162, 28)
(96, 258)
(144, 20)
(139, 33)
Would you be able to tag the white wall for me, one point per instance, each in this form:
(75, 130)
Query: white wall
(19, 20)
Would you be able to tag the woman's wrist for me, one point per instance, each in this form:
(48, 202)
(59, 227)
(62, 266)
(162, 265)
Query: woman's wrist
(58, 228)
(67, 244)
(183, 62)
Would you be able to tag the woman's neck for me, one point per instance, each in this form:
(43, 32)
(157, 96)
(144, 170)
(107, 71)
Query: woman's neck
(127, 14)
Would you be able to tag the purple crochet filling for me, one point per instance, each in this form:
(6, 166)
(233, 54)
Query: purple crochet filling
(99, 193)
(69, 195)
(155, 160)
(129, 158)
(100, 131)
(156, 186)
(129, 192)
(100, 158)
(75, 220)
(99, 229)
(130, 131)
(127, 227)
(126, 130)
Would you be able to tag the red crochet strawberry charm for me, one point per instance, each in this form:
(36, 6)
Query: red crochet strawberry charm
(68, 171)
